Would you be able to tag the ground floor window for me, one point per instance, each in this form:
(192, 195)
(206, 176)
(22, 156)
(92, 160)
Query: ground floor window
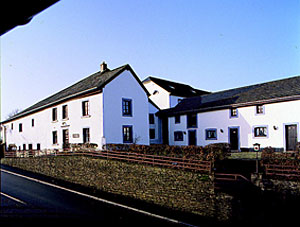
(261, 131)
(127, 134)
(178, 136)
(152, 133)
(54, 137)
(211, 134)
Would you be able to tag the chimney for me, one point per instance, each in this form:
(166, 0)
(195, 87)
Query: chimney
(103, 66)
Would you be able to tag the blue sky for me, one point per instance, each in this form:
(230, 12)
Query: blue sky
(209, 44)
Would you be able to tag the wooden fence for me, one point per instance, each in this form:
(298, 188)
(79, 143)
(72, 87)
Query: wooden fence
(155, 160)
(286, 171)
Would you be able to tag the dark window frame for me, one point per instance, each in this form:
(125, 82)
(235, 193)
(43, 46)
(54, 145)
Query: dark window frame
(260, 131)
(86, 136)
(192, 120)
(85, 107)
(178, 136)
(54, 137)
(234, 112)
(65, 112)
(152, 133)
(127, 107)
(20, 127)
(209, 132)
(54, 114)
(127, 138)
(151, 119)
(177, 119)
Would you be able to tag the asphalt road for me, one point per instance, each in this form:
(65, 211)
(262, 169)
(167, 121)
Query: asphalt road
(28, 202)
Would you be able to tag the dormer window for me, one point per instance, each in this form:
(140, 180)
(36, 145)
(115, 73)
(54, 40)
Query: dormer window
(156, 92)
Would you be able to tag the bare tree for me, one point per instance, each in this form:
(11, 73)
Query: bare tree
(13, 113)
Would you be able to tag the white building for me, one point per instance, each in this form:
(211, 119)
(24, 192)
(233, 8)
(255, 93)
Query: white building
(267, 114)
(167, 94)
(110, 106)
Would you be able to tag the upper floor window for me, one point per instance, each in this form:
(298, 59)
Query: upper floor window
(260, 109)
(151, 119)
(20, 127)
(192, 120)
(65, 111)
(233, 112)
(260, 131)
(127, 107)
(12, 126)
(177, 119)
(85, 108)
(54, 114)
(32, 122)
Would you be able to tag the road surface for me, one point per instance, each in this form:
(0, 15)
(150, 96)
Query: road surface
(28, 201)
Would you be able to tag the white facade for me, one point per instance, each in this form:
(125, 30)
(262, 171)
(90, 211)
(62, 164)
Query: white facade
(104, 121)
(275, 119)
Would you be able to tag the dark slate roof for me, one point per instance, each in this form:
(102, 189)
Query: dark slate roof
(176, 89)
(274, 91)
(94, 82)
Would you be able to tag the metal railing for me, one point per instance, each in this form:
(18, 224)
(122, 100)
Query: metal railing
(155, 160)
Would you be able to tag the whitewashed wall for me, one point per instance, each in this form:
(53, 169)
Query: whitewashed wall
(276, 114)
(125, 86)
(43, 125)
(162, 98)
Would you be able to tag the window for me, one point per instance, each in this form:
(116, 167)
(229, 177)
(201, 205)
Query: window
(233, 112)
(210, 134)
(192, 120)
(38, 146)
(85, 108)
(20, 127)
(12, 126)
(260, 109)
(86, 135)
(261, 131)
(127, 134)
(151, 119)
(30, 147)
(24, 147)
(178, 136)
(54, 114)
(54, 137)
(65, 111)
(177, 119)
(32, 122)
(152, 133)
(127, 107)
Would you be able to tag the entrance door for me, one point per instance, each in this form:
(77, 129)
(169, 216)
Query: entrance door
(65, 138)
(192, 137)
(291, 137)
(234, 138)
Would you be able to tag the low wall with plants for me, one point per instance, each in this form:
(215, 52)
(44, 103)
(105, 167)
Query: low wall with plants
(175, 189)
(216, 151)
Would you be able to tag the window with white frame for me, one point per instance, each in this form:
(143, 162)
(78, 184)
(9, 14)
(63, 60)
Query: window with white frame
(260, 109)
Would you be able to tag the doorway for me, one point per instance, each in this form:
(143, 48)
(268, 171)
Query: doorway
(192, 137)
(234, 138)
(65, 138)
(291, 137)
